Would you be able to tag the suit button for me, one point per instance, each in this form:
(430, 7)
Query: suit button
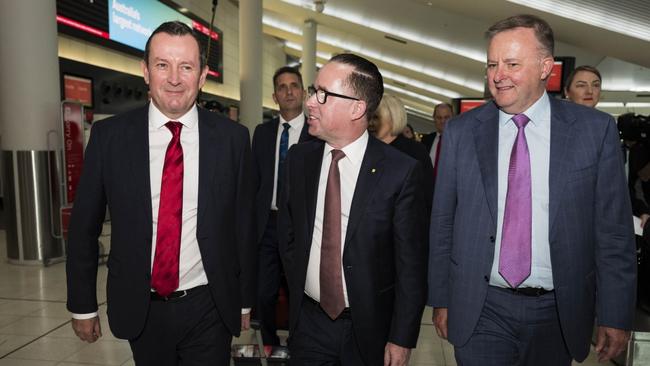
(492, 239)
(348, 267)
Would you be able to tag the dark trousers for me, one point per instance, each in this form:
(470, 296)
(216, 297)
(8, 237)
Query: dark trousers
(185, 331)
(321, 341)
(269, 279)
(516, 330)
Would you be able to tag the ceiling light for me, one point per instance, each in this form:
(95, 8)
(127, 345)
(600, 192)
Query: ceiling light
(386, 74)
(390, 28)
(411, 94)
(602, 14)
(610, 105)
(350, 47)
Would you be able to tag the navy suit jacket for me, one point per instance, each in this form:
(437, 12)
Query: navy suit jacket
(384, 256)
(590, 229)
(116, 173)
(427, 141)
(264, 148)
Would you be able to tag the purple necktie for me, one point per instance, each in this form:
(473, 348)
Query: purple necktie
(514, 258)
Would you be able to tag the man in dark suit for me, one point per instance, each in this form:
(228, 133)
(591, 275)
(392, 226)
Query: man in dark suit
(531, 236)
(441, 114)
(271, 141)
(351, 230)
(177, 182)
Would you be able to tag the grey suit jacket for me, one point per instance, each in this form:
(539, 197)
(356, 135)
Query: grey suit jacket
(590, 230)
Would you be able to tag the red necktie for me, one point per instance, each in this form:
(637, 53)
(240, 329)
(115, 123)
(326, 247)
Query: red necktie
(435, 163)
(331, 278)
(164, 276)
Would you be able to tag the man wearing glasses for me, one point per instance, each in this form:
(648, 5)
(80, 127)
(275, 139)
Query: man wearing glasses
(351, 229)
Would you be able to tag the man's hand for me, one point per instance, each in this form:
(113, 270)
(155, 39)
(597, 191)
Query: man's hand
(245, 321)
(610, 342)
(88, 330)
(395, 355)
(440, 321)
(644, 218)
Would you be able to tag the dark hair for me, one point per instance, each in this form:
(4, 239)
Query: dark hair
(286, 70)
(443, 104)
(365, 80)
(176, 28)
(543, 31)
(573, 73)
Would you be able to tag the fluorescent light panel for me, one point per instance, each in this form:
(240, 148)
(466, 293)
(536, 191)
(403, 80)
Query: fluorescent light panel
(391, 75)
(423, 69)
(614, 16)
(388, 28)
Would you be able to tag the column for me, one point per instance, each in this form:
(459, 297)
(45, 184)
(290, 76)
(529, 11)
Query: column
(30, 129)
(250, 63)
(309, 30)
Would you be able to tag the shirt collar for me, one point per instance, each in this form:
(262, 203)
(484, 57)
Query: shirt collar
(538, 113)
(355, 150)
(296, 123)
(157, 119)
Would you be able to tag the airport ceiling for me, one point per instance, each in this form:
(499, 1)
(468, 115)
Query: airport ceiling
(434, 50)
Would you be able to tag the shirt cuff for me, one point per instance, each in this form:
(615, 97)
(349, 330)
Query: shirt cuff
(245, 311)
(84, 316)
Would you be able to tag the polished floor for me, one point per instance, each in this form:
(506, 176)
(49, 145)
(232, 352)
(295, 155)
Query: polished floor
(35, 325)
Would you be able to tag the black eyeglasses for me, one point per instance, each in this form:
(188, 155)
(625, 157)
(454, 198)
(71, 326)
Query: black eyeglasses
(321, 95)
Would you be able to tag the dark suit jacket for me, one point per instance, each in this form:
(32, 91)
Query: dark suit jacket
(264, 148)
(384, 255)
(590, 229)
(116, 172)
(427, 140)
(415, 150)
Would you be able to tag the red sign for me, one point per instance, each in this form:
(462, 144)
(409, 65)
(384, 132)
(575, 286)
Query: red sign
(78, 89)
(73, 146)
(466, 105)
(81, 26)
(554, 84)
(66, 212)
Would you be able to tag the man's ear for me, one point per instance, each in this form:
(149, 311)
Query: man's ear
(145, 71)
(547, 67)
(359, 110)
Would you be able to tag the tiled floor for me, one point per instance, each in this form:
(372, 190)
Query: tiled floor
(35, 325)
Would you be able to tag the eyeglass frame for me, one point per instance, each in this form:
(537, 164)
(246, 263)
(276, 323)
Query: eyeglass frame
(312, 90)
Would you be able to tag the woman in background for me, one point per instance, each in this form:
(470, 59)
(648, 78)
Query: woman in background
(387, 125)
(583, 86)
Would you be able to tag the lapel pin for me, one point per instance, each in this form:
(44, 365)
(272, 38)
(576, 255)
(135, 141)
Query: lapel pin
(373, 170)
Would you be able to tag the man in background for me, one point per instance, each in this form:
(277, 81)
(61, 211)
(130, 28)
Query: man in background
(271, 142)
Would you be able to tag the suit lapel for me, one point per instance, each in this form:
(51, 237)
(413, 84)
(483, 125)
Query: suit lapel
(137, 145)
(561, 136)
(207, 164)
(486, 138)
(311, 167)
(367, 182)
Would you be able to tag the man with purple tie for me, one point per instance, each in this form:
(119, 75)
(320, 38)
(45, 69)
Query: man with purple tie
(530, 217)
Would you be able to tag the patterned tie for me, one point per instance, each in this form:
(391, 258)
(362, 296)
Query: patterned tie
(515, 255)
(164, 276)
(331, 279)
(435, 166)
(282, 155)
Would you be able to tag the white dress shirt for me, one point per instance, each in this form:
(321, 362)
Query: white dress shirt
(434, 149)
(191, 272)
(349, 168)
(538, 138)
(295, 129)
